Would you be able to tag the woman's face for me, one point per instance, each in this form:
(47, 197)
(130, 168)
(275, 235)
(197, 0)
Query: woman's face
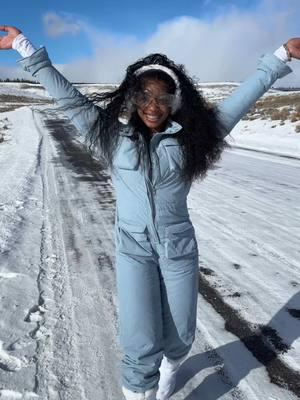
(153, 106)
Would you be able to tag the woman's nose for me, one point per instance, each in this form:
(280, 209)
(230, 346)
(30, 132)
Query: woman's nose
(152, 104)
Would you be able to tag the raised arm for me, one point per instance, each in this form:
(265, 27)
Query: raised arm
(74, 104)
(269, 69)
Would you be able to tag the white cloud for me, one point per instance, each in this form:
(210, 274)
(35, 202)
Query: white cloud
(225, 48)
(57, 25)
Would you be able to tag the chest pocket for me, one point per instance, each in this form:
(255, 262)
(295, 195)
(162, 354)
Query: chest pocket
(174, 156)
(126, 157)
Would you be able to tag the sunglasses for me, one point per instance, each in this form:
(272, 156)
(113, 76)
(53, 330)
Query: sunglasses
(143, 99)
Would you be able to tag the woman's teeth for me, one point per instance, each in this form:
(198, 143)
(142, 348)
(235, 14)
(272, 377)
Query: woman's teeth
(152, 118)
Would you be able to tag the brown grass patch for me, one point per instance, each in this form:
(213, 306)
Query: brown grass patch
(14, 102)
(279, 101)
(280, 107)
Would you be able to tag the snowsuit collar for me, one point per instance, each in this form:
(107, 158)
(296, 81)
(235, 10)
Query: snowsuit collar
(172, 128)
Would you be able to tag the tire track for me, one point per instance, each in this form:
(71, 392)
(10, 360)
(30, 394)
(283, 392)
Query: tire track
(262, 342)
(84, 204)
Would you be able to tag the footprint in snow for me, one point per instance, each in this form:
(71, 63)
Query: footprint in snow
(8, 362)
(40, 333)
(19, 344)
(19, 204)
(35, 314)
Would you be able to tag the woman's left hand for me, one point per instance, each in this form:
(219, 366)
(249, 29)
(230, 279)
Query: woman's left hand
(293, 46)
(7, 40)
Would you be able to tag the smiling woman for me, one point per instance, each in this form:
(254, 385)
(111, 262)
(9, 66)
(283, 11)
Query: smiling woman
(153, 104)
(157, 134)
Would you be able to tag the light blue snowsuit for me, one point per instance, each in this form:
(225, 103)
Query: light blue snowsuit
(156, 249)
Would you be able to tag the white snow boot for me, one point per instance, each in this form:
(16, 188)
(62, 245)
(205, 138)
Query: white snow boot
(168, 370)
(148, 395)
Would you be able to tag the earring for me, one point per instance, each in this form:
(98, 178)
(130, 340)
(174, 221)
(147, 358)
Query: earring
(126, 112)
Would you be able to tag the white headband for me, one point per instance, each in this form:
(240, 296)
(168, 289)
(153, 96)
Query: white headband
(168, 71)
(161, 68)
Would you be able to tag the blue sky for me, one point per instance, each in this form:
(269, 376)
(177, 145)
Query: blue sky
(134, 17)
(105, 36)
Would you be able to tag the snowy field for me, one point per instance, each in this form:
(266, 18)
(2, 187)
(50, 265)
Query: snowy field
(58, 304)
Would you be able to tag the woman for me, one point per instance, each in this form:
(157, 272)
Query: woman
(157, 135)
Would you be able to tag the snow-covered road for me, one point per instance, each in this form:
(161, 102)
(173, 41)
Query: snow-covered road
(58, 324)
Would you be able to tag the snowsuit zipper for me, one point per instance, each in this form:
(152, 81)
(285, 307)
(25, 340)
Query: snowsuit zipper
(150, 189)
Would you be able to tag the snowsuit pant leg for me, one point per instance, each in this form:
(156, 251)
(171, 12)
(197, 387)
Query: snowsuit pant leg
(179, 301)
(179, 269)
(140, 314)
(157, 291)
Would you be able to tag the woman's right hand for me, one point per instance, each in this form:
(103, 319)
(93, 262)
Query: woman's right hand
(6, 41)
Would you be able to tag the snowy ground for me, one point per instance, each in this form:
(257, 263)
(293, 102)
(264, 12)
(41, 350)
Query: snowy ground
(58, 308)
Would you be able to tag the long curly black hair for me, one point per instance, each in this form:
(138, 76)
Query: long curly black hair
(201, 138)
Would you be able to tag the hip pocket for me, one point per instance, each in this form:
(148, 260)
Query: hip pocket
(180, 241)
(132, 239)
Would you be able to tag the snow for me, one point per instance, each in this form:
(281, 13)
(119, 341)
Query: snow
(11, 363)
(58, 324)
(267, 136)
(227, 352)
(22, 89)
(254, 214)
(12, 395)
